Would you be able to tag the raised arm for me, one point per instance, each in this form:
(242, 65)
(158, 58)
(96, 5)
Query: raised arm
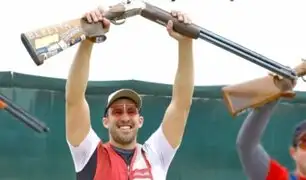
(174, 121)
(77, 109)
(255, 161)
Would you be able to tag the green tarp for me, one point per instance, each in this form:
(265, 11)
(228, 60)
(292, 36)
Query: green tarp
(207, 152)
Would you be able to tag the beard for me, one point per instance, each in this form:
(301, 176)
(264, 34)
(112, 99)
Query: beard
(123, 138)
(301, 163)
(303, 166)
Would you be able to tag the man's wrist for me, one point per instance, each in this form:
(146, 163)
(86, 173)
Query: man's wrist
(86, 46)
(185, 42)
(88, 41)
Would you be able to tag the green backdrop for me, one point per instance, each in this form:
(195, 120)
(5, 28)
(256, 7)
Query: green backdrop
(207, 152)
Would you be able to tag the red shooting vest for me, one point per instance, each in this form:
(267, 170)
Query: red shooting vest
(111, 166)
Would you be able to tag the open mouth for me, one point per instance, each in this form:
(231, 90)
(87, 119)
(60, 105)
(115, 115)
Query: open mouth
(125, 127)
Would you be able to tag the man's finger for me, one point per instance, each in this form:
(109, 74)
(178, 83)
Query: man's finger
(94, 17)
(174, 13)
(105, 22)
(170, 26)
(99, 15)
(180, 17)
(88, 17)
(185, 18)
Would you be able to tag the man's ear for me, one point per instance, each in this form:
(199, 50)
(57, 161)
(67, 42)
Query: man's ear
(140, 121)
(292, 152)
(105, 121)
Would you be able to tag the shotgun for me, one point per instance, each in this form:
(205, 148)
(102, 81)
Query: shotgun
(23, 116)
(46, 42)
(256, 92)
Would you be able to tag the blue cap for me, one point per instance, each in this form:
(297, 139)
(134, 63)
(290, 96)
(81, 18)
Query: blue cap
(300, 129)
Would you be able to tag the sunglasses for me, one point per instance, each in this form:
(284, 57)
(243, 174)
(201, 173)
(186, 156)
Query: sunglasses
(119, 110)
(301, 143)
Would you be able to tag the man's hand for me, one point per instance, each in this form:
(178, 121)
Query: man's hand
(181, 18)
(284, 84)
(96, 16)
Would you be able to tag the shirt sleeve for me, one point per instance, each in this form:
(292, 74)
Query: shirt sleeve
(254, 159)
(82, 153)
(159, 150)
(277, 171)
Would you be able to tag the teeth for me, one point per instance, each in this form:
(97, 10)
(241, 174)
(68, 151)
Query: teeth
(125, 127)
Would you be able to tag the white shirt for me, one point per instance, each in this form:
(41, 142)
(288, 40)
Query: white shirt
(158, 152)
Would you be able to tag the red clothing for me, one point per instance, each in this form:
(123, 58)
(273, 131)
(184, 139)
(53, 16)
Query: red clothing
(111, 166)
(279, 172)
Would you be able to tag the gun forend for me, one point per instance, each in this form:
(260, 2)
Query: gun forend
(162, 17)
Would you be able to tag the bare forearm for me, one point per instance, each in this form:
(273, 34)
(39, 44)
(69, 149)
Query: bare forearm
(176, 114)
(184, 80)
(79, 73)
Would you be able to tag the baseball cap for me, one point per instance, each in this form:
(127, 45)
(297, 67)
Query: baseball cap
(299, 130)
(124, 93)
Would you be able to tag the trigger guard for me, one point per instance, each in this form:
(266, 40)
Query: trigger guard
(303, 78)
(100, 39)
(118, 22)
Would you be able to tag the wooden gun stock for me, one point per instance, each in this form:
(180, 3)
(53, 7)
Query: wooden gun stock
(254, 93)
(46, 42)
